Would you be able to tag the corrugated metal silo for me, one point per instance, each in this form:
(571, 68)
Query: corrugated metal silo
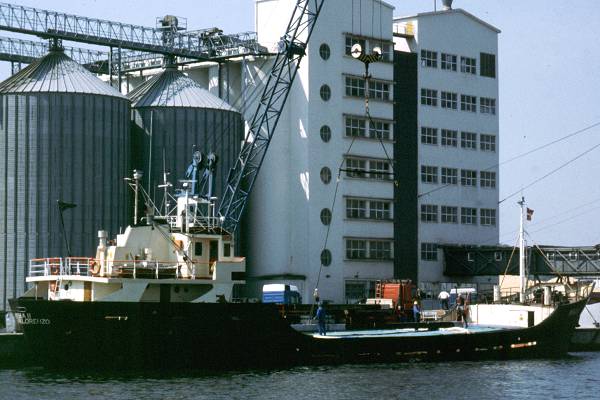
(171, 114)
(64, 135)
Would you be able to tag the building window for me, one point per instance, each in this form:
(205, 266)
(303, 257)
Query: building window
(449, 176)
(355, 87)
(487, 105)
(325, 92)
(325, 133)
(429, 97)
(355, 127)
(379, 90)
(386, 50)
(356, 168)
(356, 249)
(326, 216)
(429, 251)
(324, 51)
(379, 169)
(449, 62)
(356, 208)
(198, 249)
(326, 258)
(325, 175)
(487, 179)
(449, 137)
(487, 142)
(373, 249)
(488, 65)
(380, 249)
(351, 41)
(429, 58)
(379, 130)
(380, 209)
(449, 100)
(487, 216)
(468, 65)
(429, 135)
(368, 209)
(468, 140)
(468, 103)
(429, 213)
(468, 216)
(449, 215)
(429, 174)
(356, 291)
(372, 169)
(468, 177)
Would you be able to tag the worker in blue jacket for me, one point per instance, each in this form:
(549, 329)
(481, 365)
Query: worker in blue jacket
(416, 311)
(321, 316)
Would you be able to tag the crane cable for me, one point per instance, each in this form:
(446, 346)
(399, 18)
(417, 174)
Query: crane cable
(551, 172)
(535, 149)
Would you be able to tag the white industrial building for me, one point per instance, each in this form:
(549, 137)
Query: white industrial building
(292, 206)
(457, 138)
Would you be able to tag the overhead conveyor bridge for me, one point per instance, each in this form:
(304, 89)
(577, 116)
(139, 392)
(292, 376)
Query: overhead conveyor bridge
(170, 38)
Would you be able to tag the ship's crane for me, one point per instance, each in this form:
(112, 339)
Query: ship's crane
(292, 49)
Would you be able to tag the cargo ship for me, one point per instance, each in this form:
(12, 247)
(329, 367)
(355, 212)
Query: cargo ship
(162, 295)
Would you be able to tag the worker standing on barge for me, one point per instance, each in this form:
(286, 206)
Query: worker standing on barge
(321, 317)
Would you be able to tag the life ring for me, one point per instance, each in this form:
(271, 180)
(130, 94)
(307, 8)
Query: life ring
(94, 268)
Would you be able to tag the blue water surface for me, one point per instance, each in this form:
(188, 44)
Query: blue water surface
(574, 377)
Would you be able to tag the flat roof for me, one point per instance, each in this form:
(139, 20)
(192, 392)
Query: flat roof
(451, 11)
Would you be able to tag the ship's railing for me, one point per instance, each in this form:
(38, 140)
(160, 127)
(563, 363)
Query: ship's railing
(198, 221)
(143, 269)
(60, 266)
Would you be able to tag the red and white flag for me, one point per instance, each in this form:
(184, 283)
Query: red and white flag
(529, 214)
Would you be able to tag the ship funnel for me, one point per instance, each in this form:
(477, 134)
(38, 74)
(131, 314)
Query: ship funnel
(447, 4)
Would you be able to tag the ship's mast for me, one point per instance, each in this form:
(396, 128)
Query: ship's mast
(522, 277)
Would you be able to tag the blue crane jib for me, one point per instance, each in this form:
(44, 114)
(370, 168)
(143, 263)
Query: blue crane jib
(264, 121)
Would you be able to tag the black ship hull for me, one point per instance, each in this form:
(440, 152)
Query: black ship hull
(64, 334)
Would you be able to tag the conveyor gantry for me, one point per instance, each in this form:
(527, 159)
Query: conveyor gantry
(27, 51)
(197, 45)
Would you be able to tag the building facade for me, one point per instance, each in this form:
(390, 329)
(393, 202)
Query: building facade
(455, 171)
(321, 213)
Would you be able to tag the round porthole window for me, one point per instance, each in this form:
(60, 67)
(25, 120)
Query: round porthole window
(326, 216)
(326, 257)
(325, 92)
(325, 133)
(325, 175)
(324, 51)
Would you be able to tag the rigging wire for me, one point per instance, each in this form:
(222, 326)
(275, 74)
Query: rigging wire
(508, 263)
(547, 261)
(565, 219)
(518, 156)
(550, 173)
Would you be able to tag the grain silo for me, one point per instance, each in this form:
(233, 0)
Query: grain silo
(171, 114)
(64, 135)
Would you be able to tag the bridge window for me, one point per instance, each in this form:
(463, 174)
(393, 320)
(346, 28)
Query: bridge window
(226, 249)
(198, 249)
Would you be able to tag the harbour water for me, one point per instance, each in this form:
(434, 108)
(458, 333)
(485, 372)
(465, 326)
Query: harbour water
(576, 376)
